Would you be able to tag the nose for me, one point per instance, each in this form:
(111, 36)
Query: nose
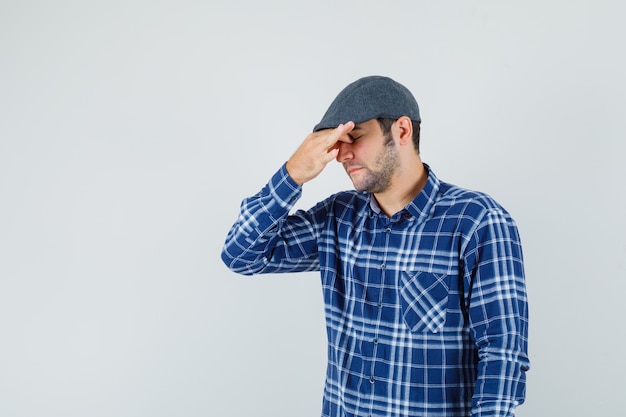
(345, 152)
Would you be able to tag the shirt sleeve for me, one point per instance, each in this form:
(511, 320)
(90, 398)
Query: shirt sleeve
(498, 315)
(265, 238)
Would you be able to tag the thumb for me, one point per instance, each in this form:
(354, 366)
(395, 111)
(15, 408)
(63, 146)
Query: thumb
(332, 154)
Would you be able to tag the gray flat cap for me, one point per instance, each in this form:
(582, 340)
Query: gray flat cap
(370, 98)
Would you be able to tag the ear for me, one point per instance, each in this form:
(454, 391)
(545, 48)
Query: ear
(405, 130)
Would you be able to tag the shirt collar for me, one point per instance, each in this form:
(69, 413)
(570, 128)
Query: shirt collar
(422, 204)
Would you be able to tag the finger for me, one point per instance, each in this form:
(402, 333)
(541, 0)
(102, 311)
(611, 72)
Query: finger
(346, 128)
(331, 155)
(340, 133)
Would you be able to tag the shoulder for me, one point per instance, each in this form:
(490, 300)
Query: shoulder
(466, 202)
(477, 215)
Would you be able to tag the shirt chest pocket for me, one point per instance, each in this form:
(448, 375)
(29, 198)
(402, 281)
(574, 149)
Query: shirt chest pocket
(424, 300)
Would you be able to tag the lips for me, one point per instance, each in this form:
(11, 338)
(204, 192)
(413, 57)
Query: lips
(352, 169)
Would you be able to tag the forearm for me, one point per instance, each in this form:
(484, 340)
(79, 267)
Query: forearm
(499, 317)
(262, 239)
(501, 383)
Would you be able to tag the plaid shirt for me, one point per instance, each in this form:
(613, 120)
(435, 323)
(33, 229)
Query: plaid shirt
(426, 311)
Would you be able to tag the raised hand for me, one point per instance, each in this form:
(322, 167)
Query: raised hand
(317, 150)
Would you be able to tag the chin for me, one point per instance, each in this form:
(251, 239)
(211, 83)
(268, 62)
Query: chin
(356, 187)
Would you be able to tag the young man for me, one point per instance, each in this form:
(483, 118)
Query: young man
(423, 282)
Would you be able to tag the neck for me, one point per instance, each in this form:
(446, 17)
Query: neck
(406, 185)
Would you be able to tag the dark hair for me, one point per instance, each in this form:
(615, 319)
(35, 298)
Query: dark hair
(385, 125)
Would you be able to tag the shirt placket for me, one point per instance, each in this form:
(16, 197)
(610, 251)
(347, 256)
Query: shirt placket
(376, 291)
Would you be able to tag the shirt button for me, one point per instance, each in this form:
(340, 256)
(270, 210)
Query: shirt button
(371, 379)
(375, 341)
(388, 230)
(383, 266)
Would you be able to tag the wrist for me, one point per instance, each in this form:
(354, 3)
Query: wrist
(293, 173)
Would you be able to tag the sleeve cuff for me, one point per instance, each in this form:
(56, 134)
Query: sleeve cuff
(284, 189)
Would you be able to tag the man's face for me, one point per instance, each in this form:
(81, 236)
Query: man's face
(371, 159)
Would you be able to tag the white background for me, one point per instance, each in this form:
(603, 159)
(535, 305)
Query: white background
(130, 131)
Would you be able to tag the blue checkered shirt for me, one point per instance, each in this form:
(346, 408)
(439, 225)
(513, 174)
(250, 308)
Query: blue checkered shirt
(426, 311)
